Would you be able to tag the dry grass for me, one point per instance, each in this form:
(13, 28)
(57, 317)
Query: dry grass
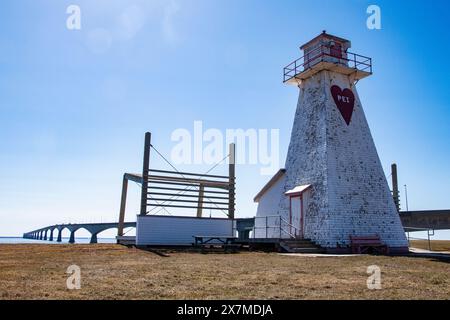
(115, 272)
(436, 245)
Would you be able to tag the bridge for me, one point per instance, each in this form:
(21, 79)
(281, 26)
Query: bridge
(412, 220)
(47, 233)
(426, 219)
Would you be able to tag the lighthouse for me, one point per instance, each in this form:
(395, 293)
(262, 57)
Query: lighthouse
(333, 188)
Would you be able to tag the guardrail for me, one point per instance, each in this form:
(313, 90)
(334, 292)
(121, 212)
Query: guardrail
(326, 54)
(274, 227)
(430, 233)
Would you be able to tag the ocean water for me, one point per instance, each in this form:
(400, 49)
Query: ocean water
(18, 240)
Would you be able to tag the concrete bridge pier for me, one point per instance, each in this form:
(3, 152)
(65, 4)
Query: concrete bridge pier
(93, 238)
(72, 236)
(51, 235)
(45, 235)
(41, 235)
(72, 229)
(59, 239)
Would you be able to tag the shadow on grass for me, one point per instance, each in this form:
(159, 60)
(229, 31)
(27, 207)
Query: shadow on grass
(438, 257)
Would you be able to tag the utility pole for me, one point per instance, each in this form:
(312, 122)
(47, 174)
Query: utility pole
(406, 198)
(232, 180)
(395, 192)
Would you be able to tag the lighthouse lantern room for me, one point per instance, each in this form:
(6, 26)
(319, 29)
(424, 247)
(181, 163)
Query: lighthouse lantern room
(327, 52)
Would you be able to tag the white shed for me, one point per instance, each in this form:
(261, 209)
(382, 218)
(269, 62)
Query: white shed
(179, 230)
(269, 223)
(267, 220)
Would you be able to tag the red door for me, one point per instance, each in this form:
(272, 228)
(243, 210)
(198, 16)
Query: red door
(336, 50)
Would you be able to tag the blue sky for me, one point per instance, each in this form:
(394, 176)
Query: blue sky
(74, 105)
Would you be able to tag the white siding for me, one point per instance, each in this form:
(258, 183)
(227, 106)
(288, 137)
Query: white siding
(270, 200)
(170, 230)
(268, 207)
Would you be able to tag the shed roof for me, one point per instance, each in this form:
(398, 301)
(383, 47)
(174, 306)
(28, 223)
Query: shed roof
(269, 184)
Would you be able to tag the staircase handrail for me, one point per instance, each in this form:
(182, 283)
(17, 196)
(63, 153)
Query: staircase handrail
(283, 229)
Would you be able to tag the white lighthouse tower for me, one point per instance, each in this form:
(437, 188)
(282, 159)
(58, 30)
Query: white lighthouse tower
(333, 188)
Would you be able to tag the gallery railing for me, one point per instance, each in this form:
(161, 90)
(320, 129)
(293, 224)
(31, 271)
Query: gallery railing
(326, 54)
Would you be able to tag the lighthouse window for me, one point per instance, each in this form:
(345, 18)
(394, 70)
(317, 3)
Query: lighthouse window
(336, 50)
(313, 55)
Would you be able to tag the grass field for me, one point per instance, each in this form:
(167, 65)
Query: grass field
(116, 272)
(436, 245)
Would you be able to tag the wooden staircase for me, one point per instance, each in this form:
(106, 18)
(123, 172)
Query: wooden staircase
(300, 246)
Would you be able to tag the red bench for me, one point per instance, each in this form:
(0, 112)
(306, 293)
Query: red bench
(368, 244)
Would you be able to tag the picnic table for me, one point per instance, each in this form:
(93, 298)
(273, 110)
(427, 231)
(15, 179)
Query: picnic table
(208, 239)
(226, 242)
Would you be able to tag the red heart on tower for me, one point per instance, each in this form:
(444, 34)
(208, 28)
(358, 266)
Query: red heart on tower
(345, 101)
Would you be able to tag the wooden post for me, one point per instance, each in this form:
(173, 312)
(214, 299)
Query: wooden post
(201, 192)
(395, 192)
(145, 168)
(232, 181)
(123, 203)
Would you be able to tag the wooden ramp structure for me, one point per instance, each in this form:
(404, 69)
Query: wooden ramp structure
(175, 189)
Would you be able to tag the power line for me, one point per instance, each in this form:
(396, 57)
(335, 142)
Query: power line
(157, 203)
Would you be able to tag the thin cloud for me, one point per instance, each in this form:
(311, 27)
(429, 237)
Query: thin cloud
(131, 21)
(168, 28)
